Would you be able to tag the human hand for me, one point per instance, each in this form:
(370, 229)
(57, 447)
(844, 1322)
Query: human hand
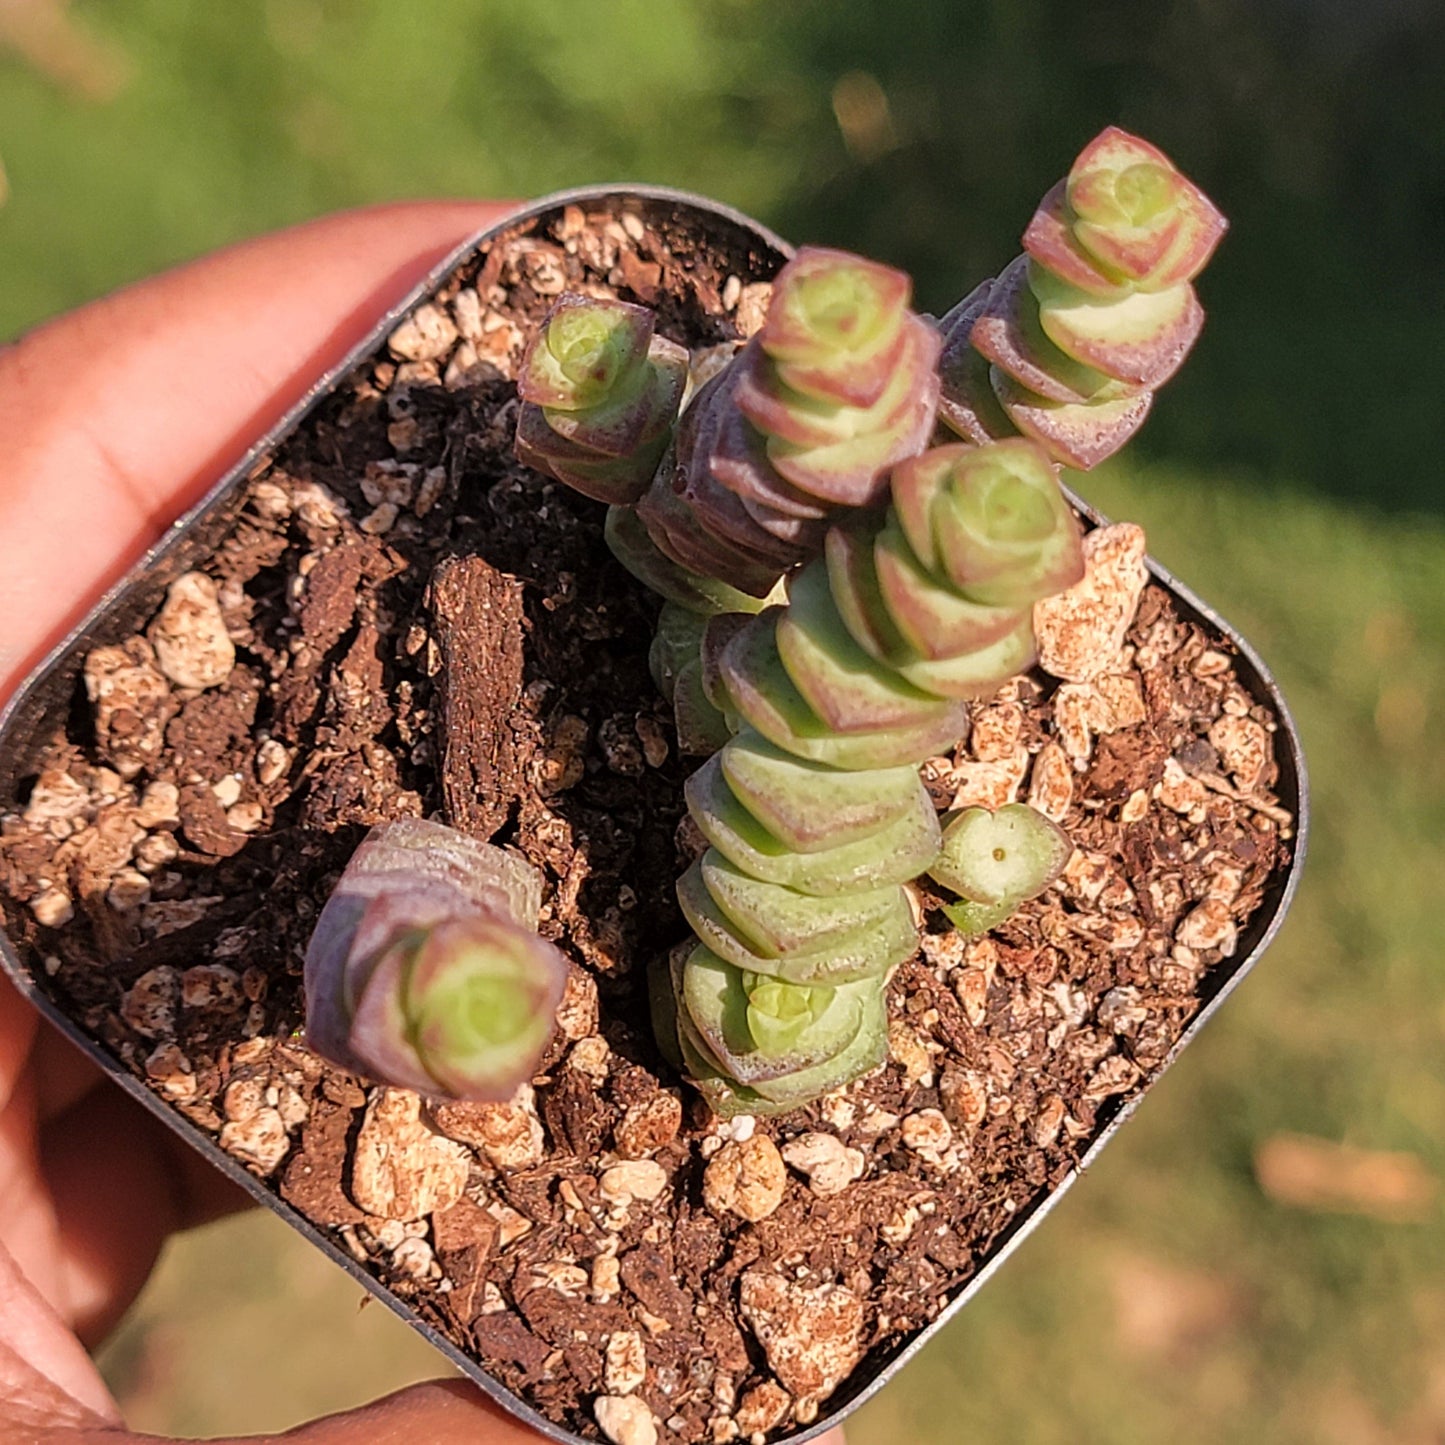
(116, 418)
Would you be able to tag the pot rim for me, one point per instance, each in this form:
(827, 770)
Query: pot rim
(48, 681)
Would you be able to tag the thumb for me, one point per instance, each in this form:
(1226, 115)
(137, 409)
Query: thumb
(442, 1412)
(50, 1390)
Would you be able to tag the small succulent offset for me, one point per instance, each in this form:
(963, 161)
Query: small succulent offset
(1069, 343)
(600, 392)
(425, 970)
(996, 860)
(814, 812)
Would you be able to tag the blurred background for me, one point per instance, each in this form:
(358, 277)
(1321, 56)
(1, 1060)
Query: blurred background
(1259, 1257)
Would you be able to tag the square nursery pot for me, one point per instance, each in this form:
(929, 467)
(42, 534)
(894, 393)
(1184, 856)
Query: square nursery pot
(171, 825)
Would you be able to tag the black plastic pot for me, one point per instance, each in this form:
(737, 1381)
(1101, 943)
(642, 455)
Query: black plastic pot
(47, 696)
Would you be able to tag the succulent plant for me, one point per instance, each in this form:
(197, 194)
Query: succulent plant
(816, 710)
(995, 860)
(814, 813)
(837, 386)
(1068, 344)
(425, 971)
(600, 392)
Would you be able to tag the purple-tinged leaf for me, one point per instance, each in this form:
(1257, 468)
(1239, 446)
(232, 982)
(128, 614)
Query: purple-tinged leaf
(424, 971)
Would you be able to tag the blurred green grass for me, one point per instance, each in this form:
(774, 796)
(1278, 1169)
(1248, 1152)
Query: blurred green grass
(1291, 475)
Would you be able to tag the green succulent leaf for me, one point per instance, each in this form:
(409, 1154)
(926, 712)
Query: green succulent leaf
(765, 697)
(1077, 435)
(479, 1004)
(1136, 216)
(893, 853)
(759, 1028)
(782, 1016)
(811, 806)
(1005, 536)
(776, 920)
(977, 674)
(1001, 857)
(584, 349)
(628, 540)
(843, 686)
(863, 1053)
(834, 325)
(838, 385)
(972, 920)
(933, 621)
(1141, 339)
(869, 952)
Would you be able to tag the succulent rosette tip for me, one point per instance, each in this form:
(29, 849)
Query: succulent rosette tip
(600, 392)
(1069, 343)
(425, 971)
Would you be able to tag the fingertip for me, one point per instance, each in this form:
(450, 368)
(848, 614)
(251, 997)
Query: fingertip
(18, 1023)
(440, 1412)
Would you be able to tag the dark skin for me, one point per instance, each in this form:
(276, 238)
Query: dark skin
(116, 418)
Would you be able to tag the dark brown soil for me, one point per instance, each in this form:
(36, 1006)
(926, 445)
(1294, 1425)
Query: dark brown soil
(424, 627)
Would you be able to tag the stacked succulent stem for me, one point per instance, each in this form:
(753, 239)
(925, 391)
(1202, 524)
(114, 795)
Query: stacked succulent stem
(838, 385)
(1068, 344)
(600, 392)
(814, 812)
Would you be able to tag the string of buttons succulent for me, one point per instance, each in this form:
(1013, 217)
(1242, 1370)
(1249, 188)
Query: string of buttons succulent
(837, 587)
(849, 521)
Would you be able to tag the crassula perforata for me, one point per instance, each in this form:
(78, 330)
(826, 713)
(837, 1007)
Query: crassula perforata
(838, 593)
(425, 970)
(1068, 344)
(801, 425)
(600, 392)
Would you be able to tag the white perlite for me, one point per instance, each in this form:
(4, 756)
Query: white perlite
(626, 1362)
(642, 1179)
(831, 1166)
(649, 1125)
(189, 634)
(928, 1134)
(149, 1005)
(126, 688)
(625, 1420)
(403, 1168)
(763, 1408)
(426, 335)
(52, 907)
(1081, 630)
(56, 796)
(1243, 746)
(746, 1178)
(509, 1135)
(812, 1336)
(259, 1140)
(1051, 782)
